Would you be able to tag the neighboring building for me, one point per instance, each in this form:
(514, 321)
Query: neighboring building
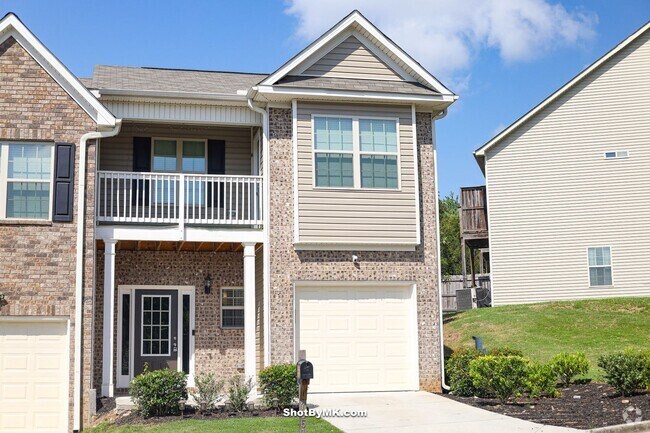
(231, 220)
(567, 215)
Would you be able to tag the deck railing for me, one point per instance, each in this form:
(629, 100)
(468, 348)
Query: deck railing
(177, 198)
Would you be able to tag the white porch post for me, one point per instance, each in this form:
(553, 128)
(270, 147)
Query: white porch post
(108, 386)
(249, 311)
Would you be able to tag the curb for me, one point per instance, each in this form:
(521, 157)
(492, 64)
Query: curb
(637, 427)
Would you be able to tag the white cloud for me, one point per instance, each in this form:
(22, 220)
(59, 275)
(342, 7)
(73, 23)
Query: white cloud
(446, 35)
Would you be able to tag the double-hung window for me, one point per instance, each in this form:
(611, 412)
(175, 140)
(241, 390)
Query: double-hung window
(600, 266)
(26, 180)
(232, 307)
(355, 152)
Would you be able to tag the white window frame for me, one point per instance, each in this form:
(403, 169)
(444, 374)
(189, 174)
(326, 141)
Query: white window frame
(4, 179)
(169, 326)
(356, 152)
(610, 266)
(229, 307)
(179, 154)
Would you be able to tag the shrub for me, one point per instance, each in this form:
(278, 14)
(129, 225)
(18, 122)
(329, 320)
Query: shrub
(505, 351)
(569, 365)
(279, 385)
(460, 382)
(502, 376)
(156, 393)
(209, 390)
(626, 371)
(238, 390)
(541, 381)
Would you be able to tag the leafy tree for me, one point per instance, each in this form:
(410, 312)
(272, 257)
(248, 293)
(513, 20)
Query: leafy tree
(450, 259)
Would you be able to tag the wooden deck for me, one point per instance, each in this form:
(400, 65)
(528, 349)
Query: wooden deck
(473, 216)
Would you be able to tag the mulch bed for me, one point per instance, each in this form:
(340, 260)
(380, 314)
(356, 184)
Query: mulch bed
(583, 406)
(106, 412)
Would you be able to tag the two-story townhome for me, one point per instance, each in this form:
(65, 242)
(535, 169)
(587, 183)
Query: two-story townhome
(231, 220)
(566, 210)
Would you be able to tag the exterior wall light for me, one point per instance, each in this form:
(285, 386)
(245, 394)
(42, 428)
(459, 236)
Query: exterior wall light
(207, 284)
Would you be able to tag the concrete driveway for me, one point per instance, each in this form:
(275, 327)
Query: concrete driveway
(419, 412)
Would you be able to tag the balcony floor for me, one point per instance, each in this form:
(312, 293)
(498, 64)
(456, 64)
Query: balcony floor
(175, 246)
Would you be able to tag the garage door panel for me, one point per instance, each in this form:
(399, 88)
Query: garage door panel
(34, 376)
(358, 337)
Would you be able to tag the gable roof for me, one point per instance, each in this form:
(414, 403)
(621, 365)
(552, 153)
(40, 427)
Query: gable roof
(11, 26)
(141, 81)
(479, 153)
(393, 55)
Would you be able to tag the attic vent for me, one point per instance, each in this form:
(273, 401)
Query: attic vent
(616, 154)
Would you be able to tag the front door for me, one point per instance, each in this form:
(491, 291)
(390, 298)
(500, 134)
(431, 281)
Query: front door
(156, 330)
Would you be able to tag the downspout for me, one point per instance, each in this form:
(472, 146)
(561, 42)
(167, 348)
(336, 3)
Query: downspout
(440, 115)
(81, 217)
(266, 259)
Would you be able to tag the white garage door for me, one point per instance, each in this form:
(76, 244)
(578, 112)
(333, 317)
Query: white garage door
(359, 337)
(33, 376)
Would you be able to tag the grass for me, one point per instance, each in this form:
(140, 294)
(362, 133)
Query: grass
(235, 425)
(542, 330)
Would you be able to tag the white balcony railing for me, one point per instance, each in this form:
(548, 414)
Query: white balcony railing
(176, 198)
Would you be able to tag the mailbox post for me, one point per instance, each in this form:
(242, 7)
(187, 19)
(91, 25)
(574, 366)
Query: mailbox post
(304, 372)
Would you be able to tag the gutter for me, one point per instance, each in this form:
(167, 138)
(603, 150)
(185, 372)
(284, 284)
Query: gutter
(439, 116)
(266, 259)
(172, 94)
(81, 217)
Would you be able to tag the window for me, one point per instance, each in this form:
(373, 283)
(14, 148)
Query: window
(26, 180)
(616, 154)
(333, 152)
(179, 156)
(356, 152)
(232, 307)
(600, 266)
(155, 325)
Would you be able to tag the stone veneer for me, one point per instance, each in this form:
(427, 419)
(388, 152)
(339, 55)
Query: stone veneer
(216, 349)
(37, 260)
(289, 265)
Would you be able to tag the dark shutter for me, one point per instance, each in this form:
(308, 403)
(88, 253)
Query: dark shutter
(141, 163)
(62, 208)
(216, 165)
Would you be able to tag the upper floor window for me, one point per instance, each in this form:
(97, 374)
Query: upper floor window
(26, 180)
(188, 156)
(600, 266)
(618, 154)
(356, 152)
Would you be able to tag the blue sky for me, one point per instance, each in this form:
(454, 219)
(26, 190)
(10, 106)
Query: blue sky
(502, 57)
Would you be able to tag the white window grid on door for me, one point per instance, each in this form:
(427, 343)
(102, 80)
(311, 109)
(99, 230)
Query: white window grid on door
(160, 326)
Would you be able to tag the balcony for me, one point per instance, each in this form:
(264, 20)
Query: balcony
(178, 199)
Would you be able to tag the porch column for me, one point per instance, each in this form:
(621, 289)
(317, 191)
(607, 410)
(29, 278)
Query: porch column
(249, 310)
(108, 386)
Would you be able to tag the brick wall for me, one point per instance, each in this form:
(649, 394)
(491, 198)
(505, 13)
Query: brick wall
(217, 350)
(288, 265)
(37, 261)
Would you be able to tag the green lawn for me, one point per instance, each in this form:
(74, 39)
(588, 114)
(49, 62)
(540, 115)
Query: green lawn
(542, 330)
(238, 425)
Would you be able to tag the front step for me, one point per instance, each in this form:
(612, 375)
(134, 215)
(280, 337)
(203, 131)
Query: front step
(124, 403)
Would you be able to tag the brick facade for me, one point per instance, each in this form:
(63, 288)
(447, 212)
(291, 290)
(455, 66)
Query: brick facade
(289, 265)
(37, 260)
(216, 349)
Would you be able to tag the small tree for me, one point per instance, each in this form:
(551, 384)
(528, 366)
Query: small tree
(209, 390)
(238, 390)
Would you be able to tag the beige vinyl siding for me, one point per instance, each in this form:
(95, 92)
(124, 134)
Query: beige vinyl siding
(551, 193)
(351, 59)
(116, 153)
(356, 215)
(259, 307)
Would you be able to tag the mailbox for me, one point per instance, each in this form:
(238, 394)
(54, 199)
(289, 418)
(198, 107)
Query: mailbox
(305, 370)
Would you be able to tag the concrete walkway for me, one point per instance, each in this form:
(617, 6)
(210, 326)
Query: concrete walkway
(419, 412)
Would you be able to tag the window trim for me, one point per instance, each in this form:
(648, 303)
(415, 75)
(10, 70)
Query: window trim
(229, 307)
(611, 266)
(356, 153)
(179, 154)
(4, 179)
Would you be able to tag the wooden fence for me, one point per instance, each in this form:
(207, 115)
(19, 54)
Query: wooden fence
(452, 283)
